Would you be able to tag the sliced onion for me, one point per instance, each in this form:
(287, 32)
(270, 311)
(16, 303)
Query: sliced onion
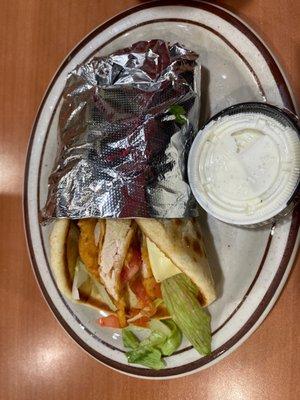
(97, 232)
(80, 276)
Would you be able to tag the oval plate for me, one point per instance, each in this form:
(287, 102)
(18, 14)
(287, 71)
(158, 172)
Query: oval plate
(250, 266)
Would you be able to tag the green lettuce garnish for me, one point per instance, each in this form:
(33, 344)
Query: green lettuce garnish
(147, 356)
(164, 339)
(129, 339)
(155, 339)
(179, 114)
(173, 341)
(180, 296)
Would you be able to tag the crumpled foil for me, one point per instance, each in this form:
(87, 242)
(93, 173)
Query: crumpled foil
(121, 153)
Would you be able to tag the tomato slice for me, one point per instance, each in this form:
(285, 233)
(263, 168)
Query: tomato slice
(143, 322)
(111, 321)
(139, 290)
(132, 265)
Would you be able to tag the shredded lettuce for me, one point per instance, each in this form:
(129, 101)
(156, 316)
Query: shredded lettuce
(80, 277)
(186, 311)
(173, 340)
(129, 339)
(190, 284)
(143, 352)
(103, 295)
(179, 114)
(158, 302)
(164, 339)
(147, 356)
(157, 325)
(155, 339)
(84, 282)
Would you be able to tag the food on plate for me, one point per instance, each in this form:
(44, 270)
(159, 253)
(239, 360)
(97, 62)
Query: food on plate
(125, 125)
(164, 339)
(144, 273)
(122, 155)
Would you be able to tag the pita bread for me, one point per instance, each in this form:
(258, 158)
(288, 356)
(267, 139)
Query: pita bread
(58, 240)
(181, 241)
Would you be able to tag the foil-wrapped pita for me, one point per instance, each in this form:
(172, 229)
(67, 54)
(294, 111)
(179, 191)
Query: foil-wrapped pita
(122, 151)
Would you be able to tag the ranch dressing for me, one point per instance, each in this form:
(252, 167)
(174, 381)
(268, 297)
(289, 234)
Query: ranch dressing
(244, 168)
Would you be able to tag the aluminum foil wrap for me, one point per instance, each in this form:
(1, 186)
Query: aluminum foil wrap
(121, 150)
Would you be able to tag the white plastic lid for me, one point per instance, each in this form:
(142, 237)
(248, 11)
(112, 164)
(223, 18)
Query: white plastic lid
(244, 168)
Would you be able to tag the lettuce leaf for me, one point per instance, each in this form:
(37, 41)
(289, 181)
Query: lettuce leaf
(183, 305)
(155, 339)
(104, 297)
(147, 356)
(173, 340)
(129, 339)
(163, 340)
(143, 352)
(157, 325)
(81, 277)
(84, 283)
(179, 114)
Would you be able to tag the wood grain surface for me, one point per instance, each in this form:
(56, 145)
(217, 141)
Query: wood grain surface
(38, 359)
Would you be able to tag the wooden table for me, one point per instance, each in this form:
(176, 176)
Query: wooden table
(38, 359)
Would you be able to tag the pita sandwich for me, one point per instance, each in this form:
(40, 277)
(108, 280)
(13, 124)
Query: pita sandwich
(118, 265)
(180, 240)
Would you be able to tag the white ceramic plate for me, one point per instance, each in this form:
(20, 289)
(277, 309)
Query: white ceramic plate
(250, 266)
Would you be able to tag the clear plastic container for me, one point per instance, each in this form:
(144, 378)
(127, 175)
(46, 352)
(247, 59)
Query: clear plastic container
(244, 164)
